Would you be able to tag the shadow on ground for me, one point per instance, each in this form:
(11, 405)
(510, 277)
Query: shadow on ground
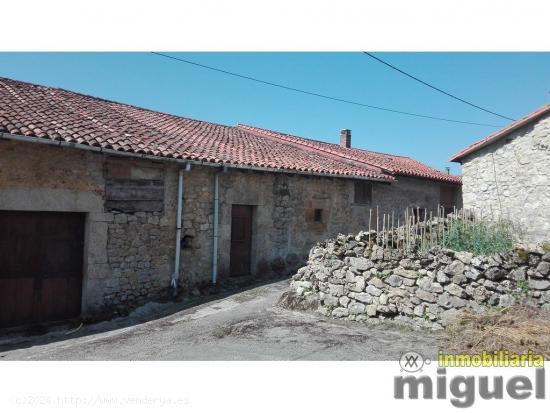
(26, 337)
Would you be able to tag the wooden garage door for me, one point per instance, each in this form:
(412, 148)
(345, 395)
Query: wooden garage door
(40, 266)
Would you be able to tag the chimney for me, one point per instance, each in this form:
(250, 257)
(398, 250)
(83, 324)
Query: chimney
(345, 138)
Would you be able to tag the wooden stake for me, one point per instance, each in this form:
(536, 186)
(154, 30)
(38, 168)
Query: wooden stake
(370, 218)
(417, 226)
(406, 225)
(377, 227)
(445, 225)
(383, 230)
(388, 231)
(431, 232)
(397, 231)
(425, 227)
(393, 232)
(438, 223)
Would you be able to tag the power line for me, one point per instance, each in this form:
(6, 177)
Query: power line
(265, 82)
(435, 88)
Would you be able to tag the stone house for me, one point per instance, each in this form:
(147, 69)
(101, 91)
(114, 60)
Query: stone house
(507, 174)
(104, 205)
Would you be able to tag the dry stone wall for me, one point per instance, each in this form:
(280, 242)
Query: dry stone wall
(345, 278)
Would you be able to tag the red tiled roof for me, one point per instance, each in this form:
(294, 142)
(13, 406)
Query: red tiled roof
(60, 115)
(57, 114)
(501, 133)
(398, 165)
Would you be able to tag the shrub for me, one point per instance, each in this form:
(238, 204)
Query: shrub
(479, 238)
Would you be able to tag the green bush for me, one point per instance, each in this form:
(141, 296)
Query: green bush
(479, 238)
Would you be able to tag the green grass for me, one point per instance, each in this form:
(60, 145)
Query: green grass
(479, 238)
(522, 289)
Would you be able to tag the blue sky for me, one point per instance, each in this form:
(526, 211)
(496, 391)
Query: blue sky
(512, 84)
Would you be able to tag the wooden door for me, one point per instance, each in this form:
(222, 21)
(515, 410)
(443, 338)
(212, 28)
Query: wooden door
(40, 266)
(447, 195)
(241, 239)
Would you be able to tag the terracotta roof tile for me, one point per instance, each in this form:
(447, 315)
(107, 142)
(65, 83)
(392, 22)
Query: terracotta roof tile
(501, 133)
(57, 114)
(398, 165)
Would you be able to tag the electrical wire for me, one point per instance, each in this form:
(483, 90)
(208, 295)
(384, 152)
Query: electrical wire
(351, 102)
(435, 88)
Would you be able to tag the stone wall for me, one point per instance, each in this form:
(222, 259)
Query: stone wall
(283, 215)
(410, 192)
(139, 247)
(511, 177)
(347, 279)
(140, 250)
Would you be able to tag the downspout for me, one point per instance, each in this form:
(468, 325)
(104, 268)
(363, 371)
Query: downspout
(216, 225)
(175, 275)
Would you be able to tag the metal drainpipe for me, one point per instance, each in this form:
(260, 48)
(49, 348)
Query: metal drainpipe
(175, 275)
(216, 225)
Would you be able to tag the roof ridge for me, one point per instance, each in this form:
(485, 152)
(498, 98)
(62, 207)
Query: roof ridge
(267, 132)
(333, 155)
(541, 111)
(394, 169)
(326, 143)
(320, 141)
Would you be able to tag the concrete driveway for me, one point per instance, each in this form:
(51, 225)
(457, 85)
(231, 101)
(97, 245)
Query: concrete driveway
(243, 326)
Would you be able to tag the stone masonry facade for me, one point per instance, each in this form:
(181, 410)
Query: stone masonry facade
(511, 178)
(134, 262)
(129, 252)
(128, 257)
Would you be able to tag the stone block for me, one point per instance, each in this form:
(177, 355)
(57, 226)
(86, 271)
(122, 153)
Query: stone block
(455, 289)
(371, 310)
(426, 296)
(356, 308)
(372, 290)
(336, 290)
(340, 312)
(405, 273)
(455, 268)
(360, 264)
(394, 280)
(363, 297)
(539, 284)
(495, 273)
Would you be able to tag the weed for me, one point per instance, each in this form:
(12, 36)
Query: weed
(523, 289)
(517, 329)
(480, 238)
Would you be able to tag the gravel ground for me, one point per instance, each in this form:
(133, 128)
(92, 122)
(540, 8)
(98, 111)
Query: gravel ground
(243, 326)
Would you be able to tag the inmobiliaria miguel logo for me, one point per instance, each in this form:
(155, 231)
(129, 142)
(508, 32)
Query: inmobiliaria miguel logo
(462, 390)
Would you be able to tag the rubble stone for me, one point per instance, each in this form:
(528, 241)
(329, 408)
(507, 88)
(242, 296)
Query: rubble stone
(430, 288)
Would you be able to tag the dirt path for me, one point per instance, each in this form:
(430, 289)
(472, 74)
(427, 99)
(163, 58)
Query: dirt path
(243, 326)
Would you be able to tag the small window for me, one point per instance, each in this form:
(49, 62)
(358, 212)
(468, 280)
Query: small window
(318, 215)
(362, 192)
